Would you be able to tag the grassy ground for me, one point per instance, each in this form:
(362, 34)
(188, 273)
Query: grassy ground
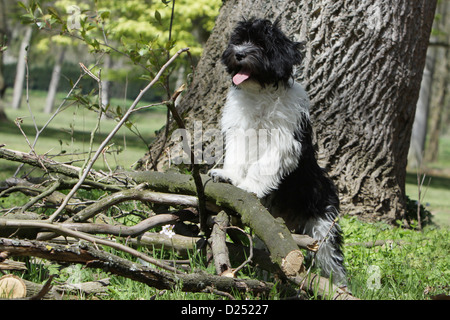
(417, 268)
(69, 133)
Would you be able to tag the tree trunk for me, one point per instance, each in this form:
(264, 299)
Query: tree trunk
(362, 69)
(439, 102)
(420, 126)
(21, 68)
(106, 84)
(54, 82)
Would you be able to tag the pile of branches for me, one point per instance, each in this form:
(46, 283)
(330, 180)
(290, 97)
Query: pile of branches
(57, 236)
(203, 213)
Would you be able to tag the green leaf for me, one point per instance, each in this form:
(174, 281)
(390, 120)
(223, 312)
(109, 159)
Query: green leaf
(105, 14)
(53, 12)
(20, 3)
(158, 17)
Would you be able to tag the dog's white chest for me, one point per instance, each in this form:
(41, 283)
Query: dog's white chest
(259, 126)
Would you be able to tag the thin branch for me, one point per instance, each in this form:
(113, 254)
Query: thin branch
(111, 135)
(250, 256)
(133, 231)
(4, 223)
(42, 195)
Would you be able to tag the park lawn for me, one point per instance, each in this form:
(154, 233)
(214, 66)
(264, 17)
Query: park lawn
(69, 133)
(435, 180)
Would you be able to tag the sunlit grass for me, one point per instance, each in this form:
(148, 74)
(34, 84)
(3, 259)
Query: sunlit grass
(69, 133)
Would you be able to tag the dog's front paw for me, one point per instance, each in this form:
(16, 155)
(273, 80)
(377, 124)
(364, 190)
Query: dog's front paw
(218, 175)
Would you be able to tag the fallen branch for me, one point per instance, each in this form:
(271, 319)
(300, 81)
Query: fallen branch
(219, 248)
(132, 231)
(50, 165)
(80, 235)
(136, 194)
(279, 240)
(376, 243)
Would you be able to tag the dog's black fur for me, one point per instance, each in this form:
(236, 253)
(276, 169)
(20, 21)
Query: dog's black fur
(305, 196)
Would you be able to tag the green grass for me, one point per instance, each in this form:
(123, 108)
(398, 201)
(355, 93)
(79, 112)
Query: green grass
(69, 133)
(435, 195)
(415, 269)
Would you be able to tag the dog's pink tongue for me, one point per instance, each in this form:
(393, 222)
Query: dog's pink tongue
(240, 77)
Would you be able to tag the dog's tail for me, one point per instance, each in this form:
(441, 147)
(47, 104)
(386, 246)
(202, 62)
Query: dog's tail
(329, 258)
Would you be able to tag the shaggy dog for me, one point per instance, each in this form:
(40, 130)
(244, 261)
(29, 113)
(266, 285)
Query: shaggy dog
(268, 139)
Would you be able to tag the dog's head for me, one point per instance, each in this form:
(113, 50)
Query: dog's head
(259, 51)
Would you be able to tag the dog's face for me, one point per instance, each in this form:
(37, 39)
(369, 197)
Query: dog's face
(259, 51)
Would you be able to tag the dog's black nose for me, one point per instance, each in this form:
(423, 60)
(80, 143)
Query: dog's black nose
(239, 55)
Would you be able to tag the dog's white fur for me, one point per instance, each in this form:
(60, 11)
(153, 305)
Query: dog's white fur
(256, 154)
(268, 139)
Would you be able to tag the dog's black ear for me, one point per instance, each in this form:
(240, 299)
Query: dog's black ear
(298, 53)
(277, 21)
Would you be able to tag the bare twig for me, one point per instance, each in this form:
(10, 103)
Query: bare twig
(42, 195)
(80, 235)
(250, 256)
(111, 135)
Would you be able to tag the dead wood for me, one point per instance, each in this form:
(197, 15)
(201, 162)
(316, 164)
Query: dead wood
(219, 249)
(9, 264)
(136, 230)
(14, 287)
(90, 287)
(31, 159)
(253, 214)
(136, 194)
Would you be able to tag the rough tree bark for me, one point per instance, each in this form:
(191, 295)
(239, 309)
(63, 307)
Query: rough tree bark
(362, 69)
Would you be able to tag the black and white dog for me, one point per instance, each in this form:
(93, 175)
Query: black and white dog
(268, 139)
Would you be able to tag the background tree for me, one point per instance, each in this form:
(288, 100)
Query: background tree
(439, 104)
(19, 81)
(431, 106)
(362, 69)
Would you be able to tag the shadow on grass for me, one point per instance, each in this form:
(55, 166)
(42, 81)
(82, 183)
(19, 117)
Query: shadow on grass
(132, 140)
